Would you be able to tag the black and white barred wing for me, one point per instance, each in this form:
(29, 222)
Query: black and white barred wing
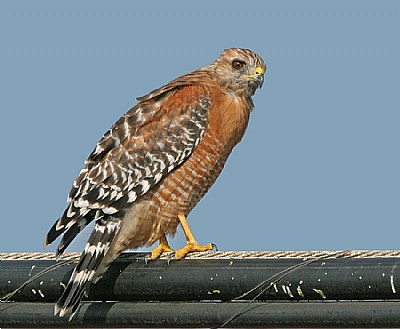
(142, 147)
(145, 145)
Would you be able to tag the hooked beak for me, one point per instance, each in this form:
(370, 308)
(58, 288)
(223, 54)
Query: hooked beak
(258, 75)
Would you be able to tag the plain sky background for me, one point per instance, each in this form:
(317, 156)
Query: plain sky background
(319, 166)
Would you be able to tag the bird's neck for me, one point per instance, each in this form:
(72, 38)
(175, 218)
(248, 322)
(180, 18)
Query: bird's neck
(231, 119)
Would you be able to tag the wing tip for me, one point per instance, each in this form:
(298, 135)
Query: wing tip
(46, 243)
(56, 230)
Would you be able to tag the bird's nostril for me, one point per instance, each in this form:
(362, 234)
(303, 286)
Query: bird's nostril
(259, 70)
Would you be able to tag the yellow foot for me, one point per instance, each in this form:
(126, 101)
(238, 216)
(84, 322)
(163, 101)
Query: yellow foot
(163, 247)
(192, 247)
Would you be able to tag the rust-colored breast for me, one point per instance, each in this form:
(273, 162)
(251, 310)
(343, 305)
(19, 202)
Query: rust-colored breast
(186, 185)
(156, 212)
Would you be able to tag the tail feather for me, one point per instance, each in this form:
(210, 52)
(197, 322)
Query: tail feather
(90, 266)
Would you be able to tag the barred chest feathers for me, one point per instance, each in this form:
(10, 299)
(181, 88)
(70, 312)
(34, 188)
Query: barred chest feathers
(155, 213)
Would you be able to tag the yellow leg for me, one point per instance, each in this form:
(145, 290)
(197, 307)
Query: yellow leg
(192, 245)
(163, 247)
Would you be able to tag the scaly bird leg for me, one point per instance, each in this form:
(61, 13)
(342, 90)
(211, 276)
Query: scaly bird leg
(163, 247)
(192, 245)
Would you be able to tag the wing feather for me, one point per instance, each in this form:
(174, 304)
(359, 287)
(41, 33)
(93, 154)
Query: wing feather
(139, 150)
(147, 143)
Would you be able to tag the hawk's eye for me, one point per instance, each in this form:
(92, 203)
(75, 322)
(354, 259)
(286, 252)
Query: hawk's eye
(237, 64)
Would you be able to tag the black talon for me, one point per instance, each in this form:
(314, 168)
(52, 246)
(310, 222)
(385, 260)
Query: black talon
(147, 259)
(215, 247)
(170, 258)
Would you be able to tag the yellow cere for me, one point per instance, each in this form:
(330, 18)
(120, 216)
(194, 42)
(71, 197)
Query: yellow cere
(259, 70)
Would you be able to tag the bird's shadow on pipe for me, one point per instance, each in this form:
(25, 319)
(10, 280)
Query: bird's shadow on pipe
(97, 312)
(104, 289)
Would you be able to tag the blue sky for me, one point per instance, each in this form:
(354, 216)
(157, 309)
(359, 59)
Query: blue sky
(318, 167)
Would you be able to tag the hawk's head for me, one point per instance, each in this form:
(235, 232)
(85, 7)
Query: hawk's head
(240, 71)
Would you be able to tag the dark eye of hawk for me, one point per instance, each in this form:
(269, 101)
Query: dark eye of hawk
(238, 64)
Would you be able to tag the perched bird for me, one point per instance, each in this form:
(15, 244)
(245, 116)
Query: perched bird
(154, 165)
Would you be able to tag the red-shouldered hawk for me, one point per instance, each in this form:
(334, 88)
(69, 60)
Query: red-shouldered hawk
(154, 165)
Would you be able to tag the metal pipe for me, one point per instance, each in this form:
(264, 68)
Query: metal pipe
(207, 315)
(129, 279)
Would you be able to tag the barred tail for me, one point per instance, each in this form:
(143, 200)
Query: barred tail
(90, 266)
